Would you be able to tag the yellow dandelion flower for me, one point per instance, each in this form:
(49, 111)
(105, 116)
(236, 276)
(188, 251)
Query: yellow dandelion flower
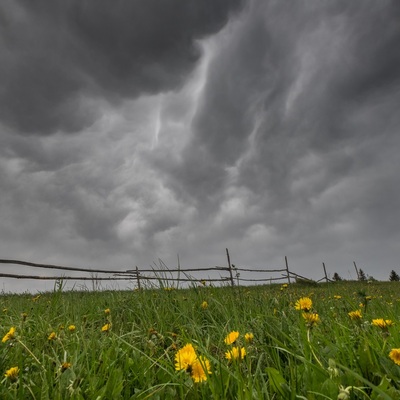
(394, 355)
(52, 336)
(379, 322)
(248, 337)
(65, 366)
(311, 318)
(185, 357)
(72, 328)
(204, 305)
(304, 304)
(107, 311)
(382, 323)
(235, 353)
(337, 297)
(9, 335)
(231, 337)
(12, 374)
(355, 315)
(200, 368)
(106, 328)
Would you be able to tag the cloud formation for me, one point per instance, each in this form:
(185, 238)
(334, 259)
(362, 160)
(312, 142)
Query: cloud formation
(58, 55)
(132, 133)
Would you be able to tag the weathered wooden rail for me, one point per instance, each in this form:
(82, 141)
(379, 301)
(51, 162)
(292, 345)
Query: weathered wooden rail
(163, 274)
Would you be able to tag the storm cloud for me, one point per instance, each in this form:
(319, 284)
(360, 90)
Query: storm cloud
(137, 131)
(58, 54)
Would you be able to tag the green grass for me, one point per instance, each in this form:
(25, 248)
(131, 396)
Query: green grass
(135, 359)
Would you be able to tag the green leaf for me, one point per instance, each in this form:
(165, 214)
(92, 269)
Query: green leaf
(330, 388)
(277, 382)
(387, 388)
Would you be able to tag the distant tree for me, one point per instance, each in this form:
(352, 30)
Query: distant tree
(336, 277)
(394, 276)
(361, 275)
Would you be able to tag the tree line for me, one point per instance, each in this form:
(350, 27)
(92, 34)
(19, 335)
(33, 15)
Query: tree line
(362, 276)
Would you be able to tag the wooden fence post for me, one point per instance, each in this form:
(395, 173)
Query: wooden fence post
(326, 276)
(137, 278)
(179, 272)
(230, 268)
(355, 266)
(287, 270)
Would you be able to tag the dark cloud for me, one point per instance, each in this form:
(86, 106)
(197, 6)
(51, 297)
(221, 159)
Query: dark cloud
(297, 111)
(288, 85)
(55, 56)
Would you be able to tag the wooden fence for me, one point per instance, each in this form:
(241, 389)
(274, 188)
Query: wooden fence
(160, 275)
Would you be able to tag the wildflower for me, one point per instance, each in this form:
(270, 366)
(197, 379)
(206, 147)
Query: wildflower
(204, 305)
(355, 315)
(248, 337)
(394, 355)
(333, 371)
(65, 366)
(235, 353)
(337, 297)
(24, 316)
(106, 328)
(199, 369)
(311, 318)
(72, 328)
(231, 337)
(185, 357)
(381, 323)
(52, 336)
(9, 335)
(305, 304)
(344, 393)
(107, 311)
(12, 374)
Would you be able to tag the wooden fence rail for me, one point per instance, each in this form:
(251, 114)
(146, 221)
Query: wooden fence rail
(163, 274)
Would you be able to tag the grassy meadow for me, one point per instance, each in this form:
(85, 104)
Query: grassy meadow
(330, 341)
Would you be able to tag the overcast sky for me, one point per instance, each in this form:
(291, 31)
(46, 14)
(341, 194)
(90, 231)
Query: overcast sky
(133, 131)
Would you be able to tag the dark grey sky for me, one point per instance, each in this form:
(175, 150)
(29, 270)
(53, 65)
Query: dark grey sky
(146, 129)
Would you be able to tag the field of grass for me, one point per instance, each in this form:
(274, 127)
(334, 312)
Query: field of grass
(330, 341)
